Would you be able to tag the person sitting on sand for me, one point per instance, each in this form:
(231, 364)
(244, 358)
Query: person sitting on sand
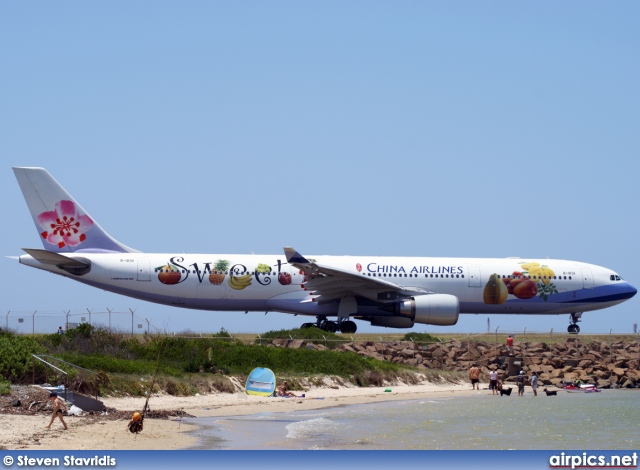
(135, 425)
(283, 392)
(58, 408)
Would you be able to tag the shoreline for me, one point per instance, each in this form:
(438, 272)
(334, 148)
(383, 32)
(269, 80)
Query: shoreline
(18, 432)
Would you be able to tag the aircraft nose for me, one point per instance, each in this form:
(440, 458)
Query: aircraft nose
(632, 290)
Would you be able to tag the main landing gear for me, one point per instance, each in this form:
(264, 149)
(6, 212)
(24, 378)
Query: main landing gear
(573, 328)
(345, 326)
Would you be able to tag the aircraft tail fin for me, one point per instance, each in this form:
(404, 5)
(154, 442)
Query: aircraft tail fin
(64, 226)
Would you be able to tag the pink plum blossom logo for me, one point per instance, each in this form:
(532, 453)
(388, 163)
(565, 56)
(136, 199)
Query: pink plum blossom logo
(64, 226)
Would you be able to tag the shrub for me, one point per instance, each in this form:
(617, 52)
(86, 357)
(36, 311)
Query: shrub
(16, 357)
(5, 387)
(421, 338)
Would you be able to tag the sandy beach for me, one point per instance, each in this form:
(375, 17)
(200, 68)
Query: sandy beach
(100, 433)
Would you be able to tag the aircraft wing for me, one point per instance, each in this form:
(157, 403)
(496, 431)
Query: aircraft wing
(328, 283)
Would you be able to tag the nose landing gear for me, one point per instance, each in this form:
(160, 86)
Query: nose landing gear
(573, 327)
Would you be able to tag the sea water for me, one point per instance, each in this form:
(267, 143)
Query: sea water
(607, 420)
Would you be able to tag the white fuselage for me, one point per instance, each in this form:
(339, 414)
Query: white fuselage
(189, 281)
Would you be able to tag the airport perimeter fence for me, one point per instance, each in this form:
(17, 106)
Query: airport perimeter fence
(46, 322)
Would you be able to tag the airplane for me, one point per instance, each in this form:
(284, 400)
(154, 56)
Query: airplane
(393, 292)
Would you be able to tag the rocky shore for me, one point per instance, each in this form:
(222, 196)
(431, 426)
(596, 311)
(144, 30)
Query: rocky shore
(606, 365)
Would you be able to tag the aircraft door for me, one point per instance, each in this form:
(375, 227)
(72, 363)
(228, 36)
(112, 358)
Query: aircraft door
(474, 276)
(143, 270)
(587, 278)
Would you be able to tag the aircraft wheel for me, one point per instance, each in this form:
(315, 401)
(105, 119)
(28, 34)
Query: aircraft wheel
(330, 326)
(348, 326)
(573, 329)
(307, 325)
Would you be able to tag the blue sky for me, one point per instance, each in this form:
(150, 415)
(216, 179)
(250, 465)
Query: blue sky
(471, 129)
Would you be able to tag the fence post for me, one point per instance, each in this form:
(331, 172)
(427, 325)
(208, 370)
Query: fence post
(89, 310)
(7, 320)
(109, 310)
(132, 319)
(33, 323)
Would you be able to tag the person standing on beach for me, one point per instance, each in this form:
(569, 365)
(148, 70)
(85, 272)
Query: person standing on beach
(474, 375)
(520, 381)
(510, 345)
(534, 383)
(58, 408)
(493, 382)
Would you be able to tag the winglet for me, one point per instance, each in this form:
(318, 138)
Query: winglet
(293, 257)
(64, 226)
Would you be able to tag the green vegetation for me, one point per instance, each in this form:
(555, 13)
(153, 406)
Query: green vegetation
(16, 360)
(5, 387)
(310, 335)
(421, 338)
(186, 365)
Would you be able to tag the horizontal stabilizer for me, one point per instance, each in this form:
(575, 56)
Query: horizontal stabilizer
(63, 262)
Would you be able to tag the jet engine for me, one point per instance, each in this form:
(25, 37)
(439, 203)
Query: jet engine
(432, 309)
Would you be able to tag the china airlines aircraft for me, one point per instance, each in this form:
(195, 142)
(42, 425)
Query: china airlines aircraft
(385, 291)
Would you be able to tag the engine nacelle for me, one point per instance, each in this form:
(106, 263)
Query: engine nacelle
(431, 309)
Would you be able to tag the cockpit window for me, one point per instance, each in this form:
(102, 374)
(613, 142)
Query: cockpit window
(615, 277)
